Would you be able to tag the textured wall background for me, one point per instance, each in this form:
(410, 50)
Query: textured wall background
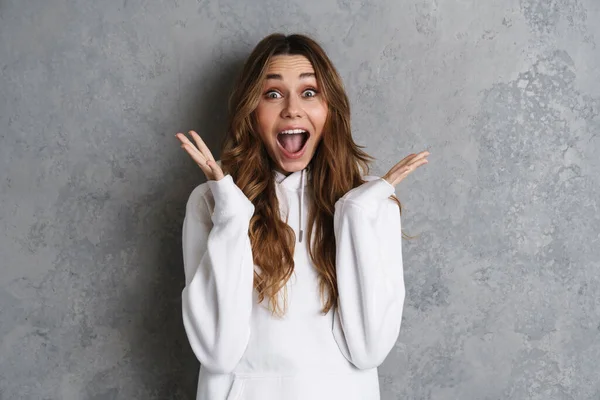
(503, 286)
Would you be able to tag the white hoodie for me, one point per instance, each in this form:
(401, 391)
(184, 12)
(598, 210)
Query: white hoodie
(245, 352)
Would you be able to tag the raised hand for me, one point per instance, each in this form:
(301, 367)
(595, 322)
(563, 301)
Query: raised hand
(201, 155)
(405, 167)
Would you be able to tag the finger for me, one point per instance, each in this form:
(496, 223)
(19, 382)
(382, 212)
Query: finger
(194, 153)
(418, 160)
(402, 174)
(197, 157)
(217, 171)
(419, 156)
(183, 139)
(409, 160)
(414, 165)
(403, 163)
(202, 146)
(396, 175)
(197, 149)
(393, 172)
(404, 167)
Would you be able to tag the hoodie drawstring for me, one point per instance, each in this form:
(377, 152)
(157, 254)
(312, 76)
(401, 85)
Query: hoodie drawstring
(301, 204)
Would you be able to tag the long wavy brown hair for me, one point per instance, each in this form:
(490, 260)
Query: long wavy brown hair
(337, 166)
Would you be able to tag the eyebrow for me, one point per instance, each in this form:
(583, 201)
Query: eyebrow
(303, 75)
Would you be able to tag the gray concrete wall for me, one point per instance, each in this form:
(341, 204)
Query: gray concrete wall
(503, 290)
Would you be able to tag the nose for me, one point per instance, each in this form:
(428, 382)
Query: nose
(292, 107)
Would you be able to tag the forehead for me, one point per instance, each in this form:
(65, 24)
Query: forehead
(289, 64)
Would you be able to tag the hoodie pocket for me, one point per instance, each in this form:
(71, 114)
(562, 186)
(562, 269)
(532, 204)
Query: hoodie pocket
(358, 385)
(237, 389)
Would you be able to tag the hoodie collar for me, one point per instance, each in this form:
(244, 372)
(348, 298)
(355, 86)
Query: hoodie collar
(292, 181)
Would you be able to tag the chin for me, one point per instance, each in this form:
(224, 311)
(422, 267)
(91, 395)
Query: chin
(290, 166)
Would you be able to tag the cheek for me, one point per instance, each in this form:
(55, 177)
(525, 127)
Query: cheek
(264, 119)
(321, 115)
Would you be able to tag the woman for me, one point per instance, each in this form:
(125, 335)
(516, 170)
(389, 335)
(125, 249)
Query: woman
(293, 261)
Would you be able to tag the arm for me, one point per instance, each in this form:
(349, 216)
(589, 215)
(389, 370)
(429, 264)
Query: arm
(370, 276)
(219, 273)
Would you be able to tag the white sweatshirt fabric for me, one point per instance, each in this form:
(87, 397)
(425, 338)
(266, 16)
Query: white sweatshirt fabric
(245, 352)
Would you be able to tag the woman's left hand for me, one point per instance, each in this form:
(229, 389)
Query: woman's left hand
(405, 167)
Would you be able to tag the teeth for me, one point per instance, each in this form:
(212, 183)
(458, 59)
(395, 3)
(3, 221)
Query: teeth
(292, 131)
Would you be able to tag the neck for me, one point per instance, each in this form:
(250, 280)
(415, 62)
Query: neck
(282, 171)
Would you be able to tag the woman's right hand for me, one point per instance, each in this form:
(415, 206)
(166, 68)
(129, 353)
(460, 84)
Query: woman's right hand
(201, 155)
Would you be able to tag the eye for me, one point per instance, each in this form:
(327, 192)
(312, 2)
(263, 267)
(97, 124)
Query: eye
(273, 94)
(310, 93)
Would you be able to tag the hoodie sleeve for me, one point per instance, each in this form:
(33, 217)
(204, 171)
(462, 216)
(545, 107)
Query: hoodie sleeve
(370, 275)
(219, 273)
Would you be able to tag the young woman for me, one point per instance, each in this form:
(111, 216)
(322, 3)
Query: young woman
(292, 254)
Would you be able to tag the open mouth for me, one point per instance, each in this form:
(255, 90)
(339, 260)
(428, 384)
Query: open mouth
(293, 141)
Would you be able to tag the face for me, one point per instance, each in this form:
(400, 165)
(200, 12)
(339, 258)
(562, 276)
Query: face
(291, 112)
